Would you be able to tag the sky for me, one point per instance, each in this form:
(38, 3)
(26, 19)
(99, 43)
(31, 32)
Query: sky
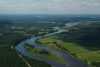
(49, 6)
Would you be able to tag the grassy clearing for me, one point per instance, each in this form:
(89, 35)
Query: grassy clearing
(43, 53)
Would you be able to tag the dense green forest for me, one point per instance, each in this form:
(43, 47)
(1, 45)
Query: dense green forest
(86, 33)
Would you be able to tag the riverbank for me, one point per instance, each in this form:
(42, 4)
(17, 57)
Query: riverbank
(71, 61)
(29, 61)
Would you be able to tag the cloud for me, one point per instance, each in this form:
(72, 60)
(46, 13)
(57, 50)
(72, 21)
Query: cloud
(60, 6)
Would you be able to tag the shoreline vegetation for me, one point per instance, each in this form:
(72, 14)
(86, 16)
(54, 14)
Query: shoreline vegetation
(43, 53)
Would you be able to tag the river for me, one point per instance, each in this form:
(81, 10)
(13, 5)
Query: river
(70, 60)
